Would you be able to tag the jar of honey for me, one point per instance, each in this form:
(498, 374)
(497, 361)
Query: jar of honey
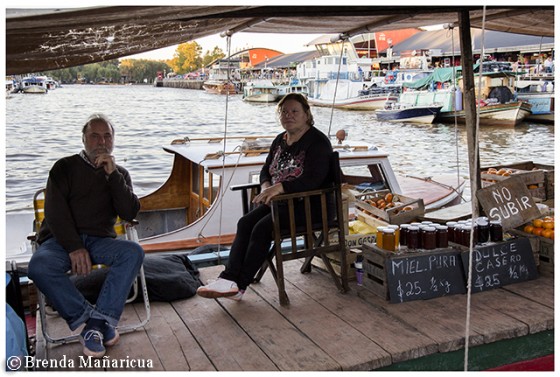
(389, 239)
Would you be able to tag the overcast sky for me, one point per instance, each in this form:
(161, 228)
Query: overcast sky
(286, 43)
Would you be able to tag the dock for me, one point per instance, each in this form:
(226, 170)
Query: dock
(325, 330)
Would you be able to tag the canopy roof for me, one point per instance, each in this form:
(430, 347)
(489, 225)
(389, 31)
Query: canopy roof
(43, 39)
(450, 44)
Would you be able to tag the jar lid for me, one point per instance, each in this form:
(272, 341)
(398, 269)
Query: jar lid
(388, 230)
(442, 227)
(430, 228)
(413, 227)
(451, 223)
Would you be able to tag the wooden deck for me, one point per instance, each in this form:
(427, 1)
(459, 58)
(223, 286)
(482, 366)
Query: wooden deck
(323, 330)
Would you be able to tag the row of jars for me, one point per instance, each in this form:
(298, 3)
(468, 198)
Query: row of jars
(428, 235)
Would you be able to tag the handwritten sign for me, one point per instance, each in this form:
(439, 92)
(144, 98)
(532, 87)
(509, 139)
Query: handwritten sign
(508, 201)
(425, 275)
(500, 264)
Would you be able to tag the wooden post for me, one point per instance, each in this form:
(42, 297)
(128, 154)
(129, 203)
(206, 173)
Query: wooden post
(469, 98)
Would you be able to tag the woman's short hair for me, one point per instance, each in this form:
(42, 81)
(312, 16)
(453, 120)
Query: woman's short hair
(301, 99)
(97, 117)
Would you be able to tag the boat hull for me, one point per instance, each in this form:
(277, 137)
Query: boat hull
(219, 87)
(33, 89)
(421, 114)
(542, 106)
(356, 103)
(508, 114)
(262, 98)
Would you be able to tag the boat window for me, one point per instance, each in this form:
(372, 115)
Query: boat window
(370, 177)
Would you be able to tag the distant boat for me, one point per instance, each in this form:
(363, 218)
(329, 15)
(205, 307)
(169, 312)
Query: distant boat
(539, 92)
(219, 87)
(34, 85)
(260, 91)
(497, 107)
(351, 95)
(295, 86)
(399, 112)
(219, 79)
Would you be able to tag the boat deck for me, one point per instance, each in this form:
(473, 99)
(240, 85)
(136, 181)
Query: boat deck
(324, 330)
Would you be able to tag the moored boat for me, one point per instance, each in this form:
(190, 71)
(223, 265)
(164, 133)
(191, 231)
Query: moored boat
(33, 85)
(497, 105)
(350, 95)
(401, 112)
(260, 91)
(219, 87)
(294, 86)
(539, 92)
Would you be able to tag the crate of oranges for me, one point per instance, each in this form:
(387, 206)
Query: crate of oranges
(541, 232)
(534, 179)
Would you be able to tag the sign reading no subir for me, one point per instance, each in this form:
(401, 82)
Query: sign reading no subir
(508, 201)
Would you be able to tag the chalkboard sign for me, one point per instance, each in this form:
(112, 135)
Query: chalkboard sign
(508, 201)
(500, 264)
(425, 275)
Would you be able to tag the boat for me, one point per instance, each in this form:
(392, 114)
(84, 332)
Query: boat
(497, 105)
(403, 112)
(33, 85)
(350, 95)
(539, 92)
(294, 86)
(260, 91)
(184, 216)
(331, 84)
(220, 77)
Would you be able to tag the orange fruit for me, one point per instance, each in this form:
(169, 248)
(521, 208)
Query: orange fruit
(548, 224)
(538, 231)
(548, 233)
(528, 228)
(538, 223)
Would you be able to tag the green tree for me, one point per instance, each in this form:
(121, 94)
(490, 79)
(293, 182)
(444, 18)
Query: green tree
(209, 57)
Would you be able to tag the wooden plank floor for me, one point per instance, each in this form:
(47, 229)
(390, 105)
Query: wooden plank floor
(321, 330)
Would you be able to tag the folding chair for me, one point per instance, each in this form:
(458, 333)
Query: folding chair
(315, 233)
(124, 229)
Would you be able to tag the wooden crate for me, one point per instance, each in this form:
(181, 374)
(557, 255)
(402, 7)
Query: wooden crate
(334, 258)
(539, 176)
(407, 209)
(375, 278)
(546, 254)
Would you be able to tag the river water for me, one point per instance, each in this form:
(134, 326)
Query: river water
(43, 128)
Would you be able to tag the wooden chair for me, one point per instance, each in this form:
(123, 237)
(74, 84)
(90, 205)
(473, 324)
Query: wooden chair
(321, 235)
(124, 229)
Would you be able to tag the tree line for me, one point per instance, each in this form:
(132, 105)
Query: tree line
(187, 58)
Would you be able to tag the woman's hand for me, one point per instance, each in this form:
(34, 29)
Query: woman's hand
(268, 193)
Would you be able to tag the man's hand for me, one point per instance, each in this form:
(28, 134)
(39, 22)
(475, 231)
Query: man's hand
(107, 161)
(81, 262)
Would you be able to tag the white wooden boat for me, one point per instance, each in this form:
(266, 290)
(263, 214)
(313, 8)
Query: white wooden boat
(195, 206)
(260, 91)
(539, 92)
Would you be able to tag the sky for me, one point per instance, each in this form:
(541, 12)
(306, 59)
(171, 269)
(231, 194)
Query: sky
(285, 43)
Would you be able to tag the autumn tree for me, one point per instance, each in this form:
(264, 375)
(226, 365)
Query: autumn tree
(186, 58)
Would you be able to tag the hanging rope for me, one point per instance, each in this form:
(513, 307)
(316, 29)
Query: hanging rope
(336, 86)
(473, 197)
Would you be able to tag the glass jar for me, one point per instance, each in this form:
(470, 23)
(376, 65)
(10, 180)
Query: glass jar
(412, 237)
(389, 239)
(483, 230)
(429, 238)
(458, 233)
(403, 234)
(442, 236)
(379, 237)
(451, 231)
(466, 235)
(397, 234)
(496, 231)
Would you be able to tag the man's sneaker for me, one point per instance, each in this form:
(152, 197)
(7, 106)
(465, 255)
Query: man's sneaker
(219, 288)
(238, 296)
(110, 335)
(92, 340)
